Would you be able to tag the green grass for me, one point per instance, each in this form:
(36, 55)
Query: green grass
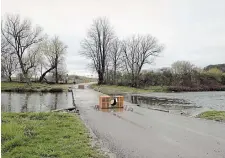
(81, 79)
(213, 115)
(35, 135)
(112, 89)
(34, 87)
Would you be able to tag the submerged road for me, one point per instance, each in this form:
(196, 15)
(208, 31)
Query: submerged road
(147, 133)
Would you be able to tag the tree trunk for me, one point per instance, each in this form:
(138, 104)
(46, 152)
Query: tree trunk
(100, 78)
(133, 80)
(10, 79)
(27, 80)
(56, 75)
(43, 75)
(23, 69)
(136, 81)
(114, 76)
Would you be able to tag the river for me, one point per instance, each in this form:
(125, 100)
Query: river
(35, 102)
(190, 103)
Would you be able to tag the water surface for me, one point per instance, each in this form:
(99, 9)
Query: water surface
(191, 103)
(34, 102)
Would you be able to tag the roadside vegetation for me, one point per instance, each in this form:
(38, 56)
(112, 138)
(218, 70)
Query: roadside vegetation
(34, 87)
(31, 135)
(213, 115)
(181, 76)
(113, 89)
(14, 86)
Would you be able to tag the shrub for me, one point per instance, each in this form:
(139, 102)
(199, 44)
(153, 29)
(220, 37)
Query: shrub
(53, 90)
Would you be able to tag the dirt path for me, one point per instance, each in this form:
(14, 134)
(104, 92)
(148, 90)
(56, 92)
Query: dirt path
(146, 133)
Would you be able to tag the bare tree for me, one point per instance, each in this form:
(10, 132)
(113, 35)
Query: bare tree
(182, 67)
(21, 36)
(115, 57)
(8, 66)
(97, 45)
(183, 72)
(8, 60)
(137, 51)
(53, 54)
(32, 60)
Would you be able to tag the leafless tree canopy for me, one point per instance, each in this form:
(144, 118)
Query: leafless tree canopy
(9, 61)
(96, 45)
(27, 52)
(53, 54)
(115, 57)
(8, 65)
(108, 53)
(21, 37)
(182, 67)
(137, 51)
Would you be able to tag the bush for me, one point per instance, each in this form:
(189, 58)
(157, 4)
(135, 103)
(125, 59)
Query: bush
(223, 79)
(195, 89)
(53, 90)
(214, 73)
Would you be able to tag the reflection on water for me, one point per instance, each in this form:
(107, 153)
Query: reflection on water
(192, 103)
(112, 110)
(162, 103)
(35, 102)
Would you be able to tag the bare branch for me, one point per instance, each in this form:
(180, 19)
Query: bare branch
(97, 45)
(137, 51)
(21, 37)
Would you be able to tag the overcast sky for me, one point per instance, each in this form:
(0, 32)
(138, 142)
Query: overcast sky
(191, 30)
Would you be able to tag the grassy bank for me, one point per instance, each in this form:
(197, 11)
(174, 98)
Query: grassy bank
(31, 135)
(34, 87)
(195, 89)
(213, 115)
(112, 89)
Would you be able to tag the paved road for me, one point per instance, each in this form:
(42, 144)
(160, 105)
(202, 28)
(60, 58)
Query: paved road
(151, 134)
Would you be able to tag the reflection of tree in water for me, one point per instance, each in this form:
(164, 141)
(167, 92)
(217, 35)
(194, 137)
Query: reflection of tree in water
(134, 99)
(6, 107)
(41, 101)
(24, 107)
(9, 102)
(56, 102)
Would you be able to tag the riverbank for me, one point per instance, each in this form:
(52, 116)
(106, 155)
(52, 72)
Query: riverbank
(213, 115)
(112, 89)
(195, 89)
(45, 135)
(34, 87)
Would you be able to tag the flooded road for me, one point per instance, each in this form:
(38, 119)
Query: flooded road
(211, 100)
(34, 102)
(149, 133)
(190, 103)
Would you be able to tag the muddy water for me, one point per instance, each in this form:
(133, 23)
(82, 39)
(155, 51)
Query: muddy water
(34, 102)
(190, 103)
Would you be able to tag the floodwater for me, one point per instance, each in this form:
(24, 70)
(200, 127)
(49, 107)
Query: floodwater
(150, 133)
(191, 103)
(35, 102)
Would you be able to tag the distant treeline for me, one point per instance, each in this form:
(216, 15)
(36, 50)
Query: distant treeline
(181, 76)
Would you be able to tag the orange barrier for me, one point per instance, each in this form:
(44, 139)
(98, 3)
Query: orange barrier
(104, 102)
(114, 110)
(80, 86)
